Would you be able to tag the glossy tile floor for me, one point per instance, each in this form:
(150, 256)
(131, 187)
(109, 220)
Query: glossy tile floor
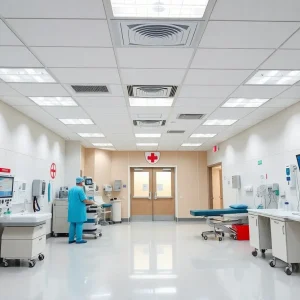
(149, 261)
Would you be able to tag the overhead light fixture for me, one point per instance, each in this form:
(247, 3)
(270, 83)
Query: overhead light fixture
(227, 122)
(77, 121)
(53, 101)
(102, 144)
(186, 9)
(150, 101)
(147, 144)
(25, 75)
(203, 135)
(191, 144)
(147, 135)
(275, 77)
(91, 135)
(244, 102)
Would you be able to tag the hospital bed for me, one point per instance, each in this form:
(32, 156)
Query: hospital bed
(221, 219)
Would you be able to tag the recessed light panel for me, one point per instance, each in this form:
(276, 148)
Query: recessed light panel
(275, 77)
(203, 135)
(244, 102)
(91, 135)
(147, 135)
(77, 121)
(151, 101)
(191, 144)
(227, 122)
(147, 144)
(159, 9)
(103, 144)
(54, 101)
(25, 75)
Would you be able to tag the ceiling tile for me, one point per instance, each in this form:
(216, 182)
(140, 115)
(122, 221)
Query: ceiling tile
(293, 42)
(201, 103)
(103, 111)
(6, 90)
(154, 57)
(231, 113)
(114, 91)
(62, 32)
(281, 102)
(17, 56)
(230, 58)
(210, 129)
(283, 59)
(84, 128)
(292, 93)
(79, 57)
(224, 34)
(39, 89)
(7, 37)
(216, 77)
(191, 91)
(52, 9)
(17, 101)
(66, 112)
(263, 113)
(86, 75)
(152, 76)
(258, 91)
(101, 102)
(257, 10)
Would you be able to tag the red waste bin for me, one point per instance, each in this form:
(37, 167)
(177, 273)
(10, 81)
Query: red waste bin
(242, 232)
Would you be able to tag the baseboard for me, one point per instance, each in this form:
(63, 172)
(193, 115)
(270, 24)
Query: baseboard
(48, 236)
(198, 220)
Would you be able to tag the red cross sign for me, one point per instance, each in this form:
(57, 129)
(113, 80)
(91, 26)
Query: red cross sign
(53, 170)
(152, 157)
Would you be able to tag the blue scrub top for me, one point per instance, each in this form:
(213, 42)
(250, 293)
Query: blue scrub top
(77, 208)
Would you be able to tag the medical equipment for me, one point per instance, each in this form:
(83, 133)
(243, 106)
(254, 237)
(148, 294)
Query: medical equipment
(298, 160)
(20, 192)
(290, 172)
(38, 190)
(215, 218)
(88, 181)
(116, 211)
(63, 192)
(268, 195)
(107, 188)
(248, 188)
(117, 185)
(236, 182)
(6, 194)
(24, 237)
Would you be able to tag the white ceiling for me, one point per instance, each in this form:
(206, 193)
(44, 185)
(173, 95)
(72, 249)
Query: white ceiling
(75, 41)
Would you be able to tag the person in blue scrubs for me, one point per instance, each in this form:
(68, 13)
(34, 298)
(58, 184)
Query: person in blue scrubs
(77, 211)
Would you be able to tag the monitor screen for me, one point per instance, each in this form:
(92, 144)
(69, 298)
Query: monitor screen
(298, 160)
(88, 181)
(6, 187)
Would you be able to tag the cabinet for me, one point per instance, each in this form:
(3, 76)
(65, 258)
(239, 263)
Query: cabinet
(60, 217)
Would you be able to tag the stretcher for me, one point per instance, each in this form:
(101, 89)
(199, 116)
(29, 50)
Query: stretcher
(221, 220)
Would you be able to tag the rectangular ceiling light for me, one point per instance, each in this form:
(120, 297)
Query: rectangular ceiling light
(77, 121)
(151, 101)
(53, 101)
(191, 144)
(25, 75)
(244, 102)
(219, 122)
(147, 144)
(147, 135)
(91, 135)
(275, 77)
(159, 9)
(203, 135)
(102, 144)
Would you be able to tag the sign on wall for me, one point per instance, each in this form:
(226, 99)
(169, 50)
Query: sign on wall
(53, 170)
(152, 157)
(4, 170)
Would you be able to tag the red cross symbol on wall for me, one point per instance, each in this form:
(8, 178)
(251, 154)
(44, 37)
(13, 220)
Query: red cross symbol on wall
(53, 170)
(152, 157)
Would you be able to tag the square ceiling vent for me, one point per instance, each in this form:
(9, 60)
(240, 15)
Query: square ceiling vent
(151, 91)
(157, 34)
(190, 116)
(149, 123)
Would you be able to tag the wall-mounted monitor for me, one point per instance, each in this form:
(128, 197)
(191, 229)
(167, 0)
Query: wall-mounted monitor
(6, 187)
(298, 160)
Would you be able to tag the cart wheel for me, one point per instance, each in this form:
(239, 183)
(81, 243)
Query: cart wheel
(272, 263)
(263, 251)
(205, 237)
(41, 257)
(235, 237)
(223, 234)
(288, 271)
(5, 263)
(295, 268)
(95, 237)
(31, 263)
(254, 253)
(55, 235)
(220, 239)
(100, 234)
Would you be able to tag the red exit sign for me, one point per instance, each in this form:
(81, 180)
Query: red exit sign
(4, 170)
(215, 148)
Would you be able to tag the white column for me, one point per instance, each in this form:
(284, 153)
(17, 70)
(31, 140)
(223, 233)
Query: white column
(72, 162)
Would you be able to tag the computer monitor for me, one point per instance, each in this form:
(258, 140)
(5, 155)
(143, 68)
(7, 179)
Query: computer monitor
(88, 181)
(6, 187)
(298, 160)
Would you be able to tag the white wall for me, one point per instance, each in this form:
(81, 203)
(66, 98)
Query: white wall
(72, 162)
(275, 141)
(28, 149)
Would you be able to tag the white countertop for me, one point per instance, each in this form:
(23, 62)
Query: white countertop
(26, 218)
(276, 213)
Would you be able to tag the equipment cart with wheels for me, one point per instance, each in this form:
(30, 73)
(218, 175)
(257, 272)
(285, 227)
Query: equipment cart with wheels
(92, 226)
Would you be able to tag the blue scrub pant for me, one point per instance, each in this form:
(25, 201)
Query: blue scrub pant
(75, 228)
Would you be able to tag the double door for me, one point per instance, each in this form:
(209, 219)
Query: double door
(152, 194)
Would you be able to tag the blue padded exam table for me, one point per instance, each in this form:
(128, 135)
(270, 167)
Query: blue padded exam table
(215, 218)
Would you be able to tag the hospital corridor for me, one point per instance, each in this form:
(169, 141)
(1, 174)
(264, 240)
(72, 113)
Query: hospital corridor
(149, 149)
